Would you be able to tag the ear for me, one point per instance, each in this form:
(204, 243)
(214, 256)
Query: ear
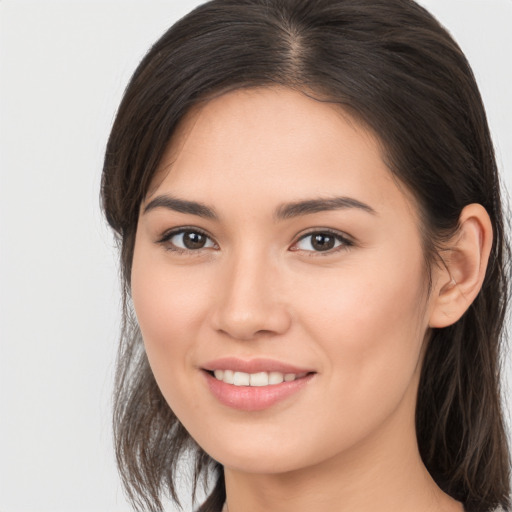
(458, 281)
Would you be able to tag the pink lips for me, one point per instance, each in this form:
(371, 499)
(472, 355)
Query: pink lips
(253, 398)
(253, 366)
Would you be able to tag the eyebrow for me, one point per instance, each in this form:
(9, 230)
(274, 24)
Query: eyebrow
(310, 206)
(282, 212)
(182, 206)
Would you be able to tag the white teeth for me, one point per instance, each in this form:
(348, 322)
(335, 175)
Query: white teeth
(254, 379)
(259, 379)
(228, 376)
(275, 378)
(241, 379)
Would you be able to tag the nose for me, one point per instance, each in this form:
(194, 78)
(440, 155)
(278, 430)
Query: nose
(250, 303)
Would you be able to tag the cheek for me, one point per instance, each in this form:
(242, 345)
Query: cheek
(168, 304)
(378, 299)
(163, 304)
(370, 321)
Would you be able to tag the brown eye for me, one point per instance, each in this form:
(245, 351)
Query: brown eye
(187, 240)
(322, 241)
(194, 240)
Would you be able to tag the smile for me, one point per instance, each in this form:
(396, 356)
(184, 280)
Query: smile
(254, 385)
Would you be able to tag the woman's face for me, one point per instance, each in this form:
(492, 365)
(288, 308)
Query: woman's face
(275, 249)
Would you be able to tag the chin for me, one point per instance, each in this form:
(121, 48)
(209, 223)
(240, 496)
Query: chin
(258, 463)
(264, 454)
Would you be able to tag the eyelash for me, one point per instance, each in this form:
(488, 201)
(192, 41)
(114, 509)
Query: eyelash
(168, 235)
(345, 242)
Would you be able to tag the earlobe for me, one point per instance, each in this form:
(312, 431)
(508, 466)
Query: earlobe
(460, 279)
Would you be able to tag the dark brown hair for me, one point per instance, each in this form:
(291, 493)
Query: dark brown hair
(397, 70)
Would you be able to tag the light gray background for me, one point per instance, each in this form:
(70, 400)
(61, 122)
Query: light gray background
(63, 68)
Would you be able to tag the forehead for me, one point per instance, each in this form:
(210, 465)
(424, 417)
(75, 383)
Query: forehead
(274, 143)
(270, 116)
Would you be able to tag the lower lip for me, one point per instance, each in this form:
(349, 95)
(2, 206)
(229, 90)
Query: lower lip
(254, 398)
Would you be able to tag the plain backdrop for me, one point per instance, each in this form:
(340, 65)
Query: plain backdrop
(63, 69)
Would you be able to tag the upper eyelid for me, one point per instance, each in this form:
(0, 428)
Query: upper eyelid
(330, 231)
(345, 242)
(169, 233)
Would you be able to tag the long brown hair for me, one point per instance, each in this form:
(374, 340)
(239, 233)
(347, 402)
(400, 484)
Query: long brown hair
(395, 68)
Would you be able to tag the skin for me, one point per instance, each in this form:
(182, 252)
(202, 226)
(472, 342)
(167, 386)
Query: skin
(357, 315)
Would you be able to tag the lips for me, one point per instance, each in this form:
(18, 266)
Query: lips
(253, 366)
(254, 385)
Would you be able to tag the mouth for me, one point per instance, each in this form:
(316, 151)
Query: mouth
(254, 385)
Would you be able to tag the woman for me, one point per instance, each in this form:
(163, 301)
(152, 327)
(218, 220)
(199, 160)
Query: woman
(311, 235)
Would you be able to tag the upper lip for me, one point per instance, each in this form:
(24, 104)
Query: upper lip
(255, 365)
